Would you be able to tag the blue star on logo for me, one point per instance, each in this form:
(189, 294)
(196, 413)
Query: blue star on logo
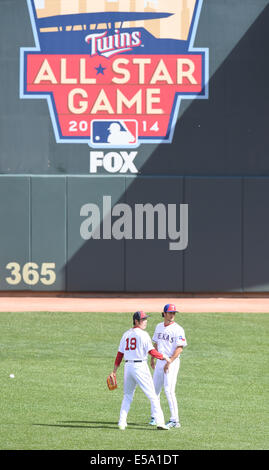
(100, 69)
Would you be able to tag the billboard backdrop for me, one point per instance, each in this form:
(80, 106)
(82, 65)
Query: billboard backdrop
(134, 145)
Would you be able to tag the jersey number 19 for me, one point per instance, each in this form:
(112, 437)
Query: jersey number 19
(132, 344)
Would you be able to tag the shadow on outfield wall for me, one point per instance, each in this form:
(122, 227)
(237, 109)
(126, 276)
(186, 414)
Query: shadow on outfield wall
(219, 145)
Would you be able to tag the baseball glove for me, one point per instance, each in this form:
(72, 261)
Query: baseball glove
(112, 381)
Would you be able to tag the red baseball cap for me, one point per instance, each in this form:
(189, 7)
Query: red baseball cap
(140, 315)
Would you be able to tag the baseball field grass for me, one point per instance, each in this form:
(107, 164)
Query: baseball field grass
(58, 398)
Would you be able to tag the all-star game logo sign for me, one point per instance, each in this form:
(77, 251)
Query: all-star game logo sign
(114, 71)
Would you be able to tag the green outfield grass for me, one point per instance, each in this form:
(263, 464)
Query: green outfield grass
(58, 398)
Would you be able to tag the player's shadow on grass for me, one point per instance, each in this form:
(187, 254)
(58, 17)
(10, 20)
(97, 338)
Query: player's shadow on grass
(87, 425)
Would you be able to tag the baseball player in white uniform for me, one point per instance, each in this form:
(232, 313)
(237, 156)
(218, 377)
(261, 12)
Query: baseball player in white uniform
(134, 347)
(169, 339)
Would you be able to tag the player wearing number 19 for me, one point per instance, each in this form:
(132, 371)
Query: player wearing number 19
(134, 347)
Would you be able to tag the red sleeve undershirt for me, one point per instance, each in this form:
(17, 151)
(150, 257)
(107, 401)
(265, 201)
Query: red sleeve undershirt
(152, 352)
(156, 354)
(118, 358)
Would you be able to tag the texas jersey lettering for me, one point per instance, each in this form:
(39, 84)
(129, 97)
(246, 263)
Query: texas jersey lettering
(169, 337)
(128, 63)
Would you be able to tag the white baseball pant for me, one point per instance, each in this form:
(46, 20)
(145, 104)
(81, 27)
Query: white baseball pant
(168, 381)
(138, 373)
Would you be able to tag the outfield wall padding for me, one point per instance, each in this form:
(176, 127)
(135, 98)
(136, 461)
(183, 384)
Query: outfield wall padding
(227, 251)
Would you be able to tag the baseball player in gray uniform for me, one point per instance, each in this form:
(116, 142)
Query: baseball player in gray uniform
(134, 347)
(169, 339)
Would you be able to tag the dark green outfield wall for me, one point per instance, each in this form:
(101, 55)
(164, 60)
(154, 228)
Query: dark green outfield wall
(228, 233)
(217, 165)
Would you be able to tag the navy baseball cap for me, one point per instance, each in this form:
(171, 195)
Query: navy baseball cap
(170, 308)
(140, 315)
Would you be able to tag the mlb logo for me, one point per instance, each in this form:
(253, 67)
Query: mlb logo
(114, 133)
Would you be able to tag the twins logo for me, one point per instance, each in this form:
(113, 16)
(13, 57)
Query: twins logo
(114, 44)
(114, 72)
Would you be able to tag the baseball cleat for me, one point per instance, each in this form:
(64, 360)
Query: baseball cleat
(122, 427)
(152, 422)
(162, 427)
(173, 424)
